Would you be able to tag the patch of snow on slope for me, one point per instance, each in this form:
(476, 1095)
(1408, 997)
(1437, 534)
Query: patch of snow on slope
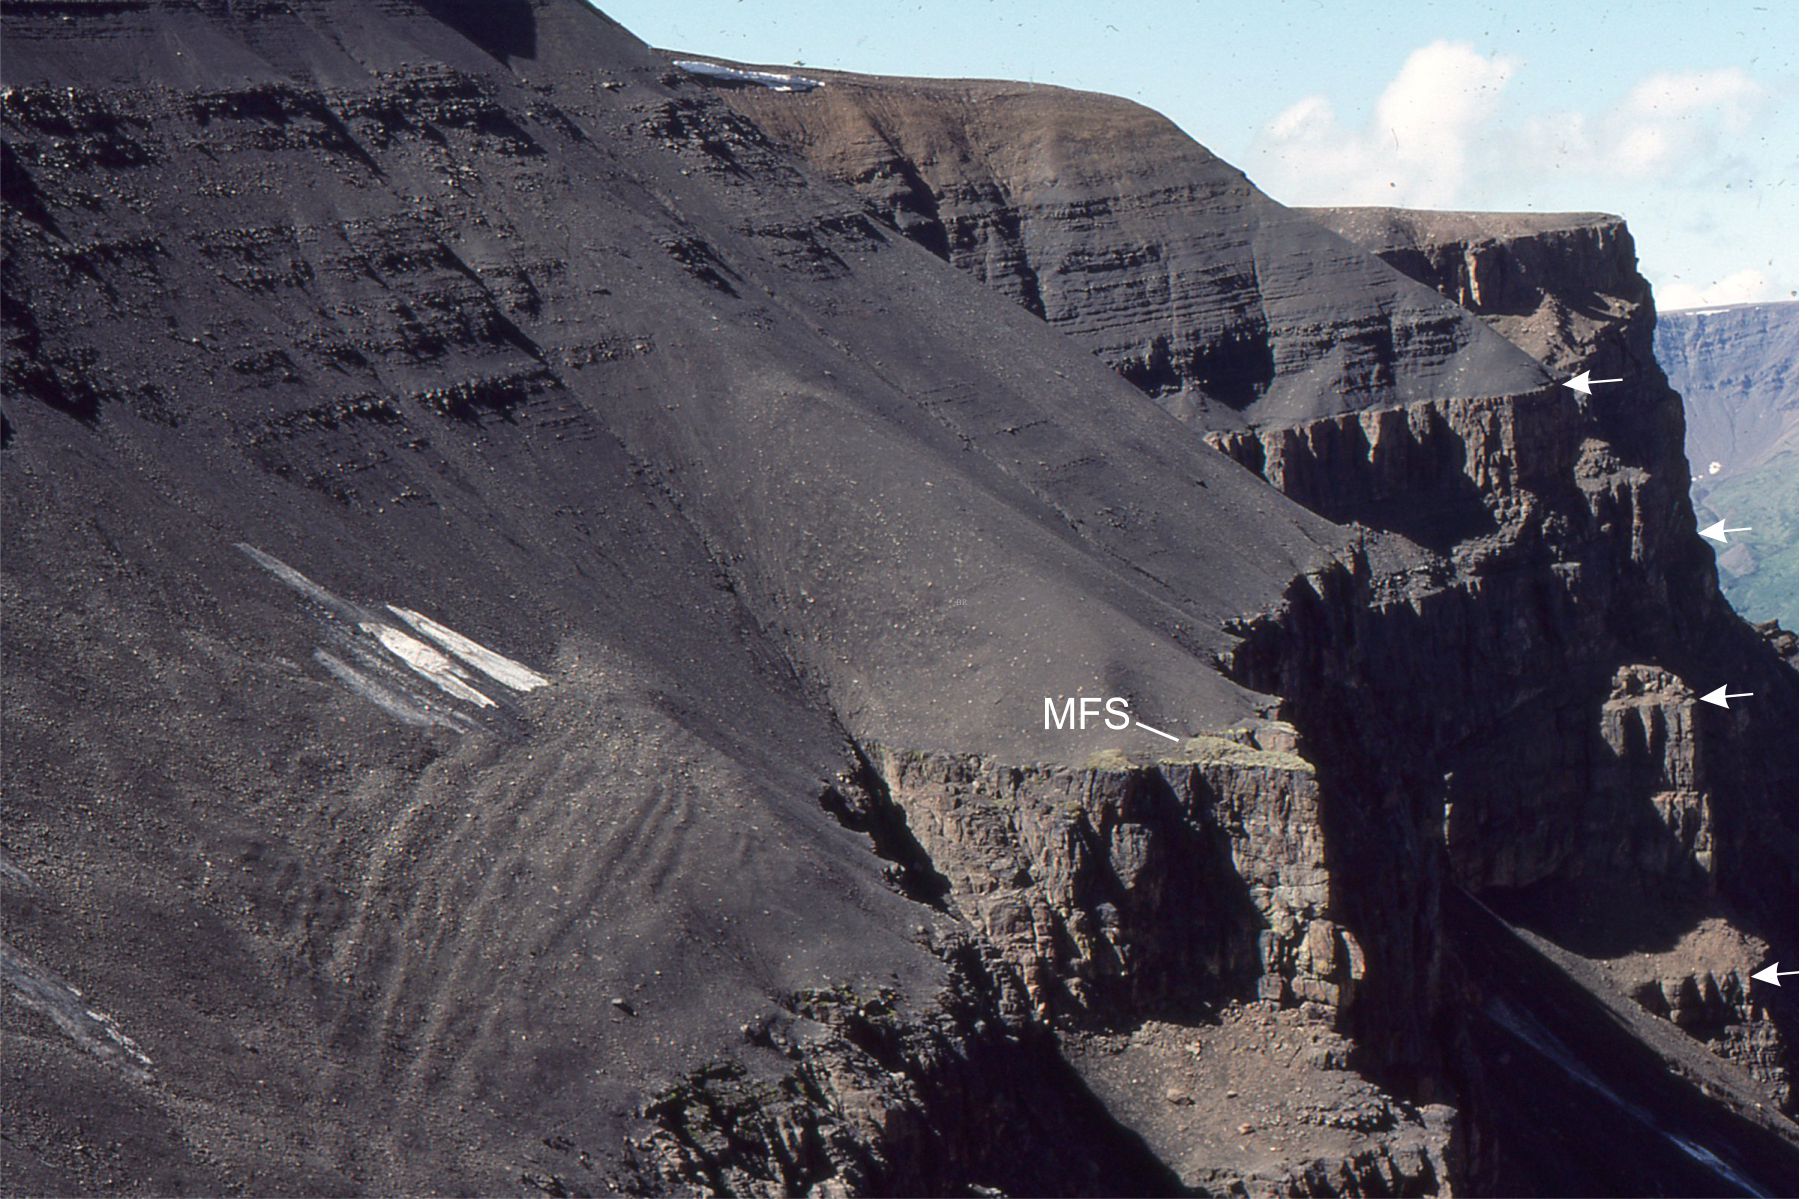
(427, 662)
(384, 665)
(503, 670)
(301, 582)
(87, 1026)
(393, 702)
(770, 79)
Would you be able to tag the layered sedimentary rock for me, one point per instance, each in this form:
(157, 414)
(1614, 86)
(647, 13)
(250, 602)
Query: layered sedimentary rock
(1535, 684)
(1563, 286)
(1104, 218)
(1738, 367)
(1116, 893)
(528, 617)
(467, 494)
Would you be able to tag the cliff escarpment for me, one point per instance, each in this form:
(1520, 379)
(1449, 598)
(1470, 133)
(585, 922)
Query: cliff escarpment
(1522, 704)
(1562, 286)
(1103, 218)
(529, 608)
(1565, 288)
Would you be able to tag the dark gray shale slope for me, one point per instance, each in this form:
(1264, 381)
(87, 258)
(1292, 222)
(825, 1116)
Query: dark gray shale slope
(1522, 708)
(493, 544)
(482, 313)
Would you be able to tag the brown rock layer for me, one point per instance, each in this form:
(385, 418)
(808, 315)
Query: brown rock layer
(1535, 684)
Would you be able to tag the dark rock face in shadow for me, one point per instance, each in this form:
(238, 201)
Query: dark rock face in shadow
(505, 29)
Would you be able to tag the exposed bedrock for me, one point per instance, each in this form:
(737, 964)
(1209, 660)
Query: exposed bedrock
(1104, 218)
(1562, 286)
(482, 317)
(1119, 892)
(1525, 695)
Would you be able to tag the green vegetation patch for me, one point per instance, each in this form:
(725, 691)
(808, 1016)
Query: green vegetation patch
(1759, 570)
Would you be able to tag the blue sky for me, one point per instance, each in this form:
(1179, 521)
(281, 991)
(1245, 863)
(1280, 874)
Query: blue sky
(1682, 117)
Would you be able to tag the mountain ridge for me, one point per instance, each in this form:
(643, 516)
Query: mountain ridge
(369, 364)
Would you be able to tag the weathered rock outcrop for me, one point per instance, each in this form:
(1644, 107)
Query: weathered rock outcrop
(1639, 781)
(1104, 218)
(484, 520)
(1533, 682)
(1562, 286)
(1118, 892)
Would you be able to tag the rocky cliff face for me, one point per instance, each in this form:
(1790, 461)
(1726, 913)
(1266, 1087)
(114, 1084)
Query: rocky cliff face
(528, 614)
(1738, 368)
(1534, 684)
(1163, 260)
(1563, 286)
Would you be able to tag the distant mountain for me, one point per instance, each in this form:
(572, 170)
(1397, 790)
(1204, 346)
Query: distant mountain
(1738, 369)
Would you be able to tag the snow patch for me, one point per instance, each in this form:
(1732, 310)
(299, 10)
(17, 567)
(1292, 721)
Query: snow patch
(770, 79)
(87, 1026)
(426, 662)
(380, 663)
(301, 582)
(393, 702)
(499, 667)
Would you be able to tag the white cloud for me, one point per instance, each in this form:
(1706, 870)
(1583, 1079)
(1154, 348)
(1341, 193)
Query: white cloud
(1415, 148)
(1440, 137)
(1702, 163)
(1743, 287)
(1669, 120)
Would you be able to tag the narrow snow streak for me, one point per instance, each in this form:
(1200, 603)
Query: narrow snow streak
(503, 670)
(770, 79)
(87, 1026)
(301, 583)
(426, 662)
(390, 701)
(1530, 1031)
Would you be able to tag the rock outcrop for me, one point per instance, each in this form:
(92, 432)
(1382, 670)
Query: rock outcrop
(529, 610)
(1103, 218)
(1738, 367)
(1562, 286)
(1117, 892)
(1535, 681)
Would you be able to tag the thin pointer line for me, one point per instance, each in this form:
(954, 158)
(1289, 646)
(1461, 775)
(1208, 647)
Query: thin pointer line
(1155, 732)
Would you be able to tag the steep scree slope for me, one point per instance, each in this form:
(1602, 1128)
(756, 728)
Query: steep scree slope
(1164, 260)
(480, 523)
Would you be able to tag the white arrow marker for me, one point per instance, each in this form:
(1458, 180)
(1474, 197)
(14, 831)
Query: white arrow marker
(1772, 974)
(1156, 732)
(1582, 382)
(1723, 695)
(1716, 532)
